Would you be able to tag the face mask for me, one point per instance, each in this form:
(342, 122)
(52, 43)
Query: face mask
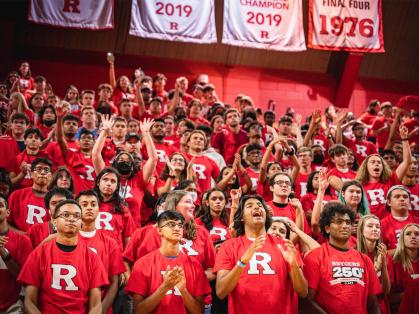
(194, 196)
(49, 122)
(124, 167)
(318, 159)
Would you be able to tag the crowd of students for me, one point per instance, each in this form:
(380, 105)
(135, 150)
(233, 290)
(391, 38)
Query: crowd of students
(136, 198)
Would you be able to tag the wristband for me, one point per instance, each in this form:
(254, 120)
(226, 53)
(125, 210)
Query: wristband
(171, 177)
(241, 264)
(405, 139)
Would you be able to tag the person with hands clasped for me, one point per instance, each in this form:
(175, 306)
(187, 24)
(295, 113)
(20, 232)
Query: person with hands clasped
(168, 280)
(254, 261)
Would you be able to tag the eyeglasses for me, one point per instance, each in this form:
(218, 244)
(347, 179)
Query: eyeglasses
(67, 216)
(281, 182)
(42, 169)
(340, 222)
(172, 225)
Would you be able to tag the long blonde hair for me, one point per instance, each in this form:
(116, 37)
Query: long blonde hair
(364, 177)
(400, 255)
(22, 106)
(172, 200)
(361, 242)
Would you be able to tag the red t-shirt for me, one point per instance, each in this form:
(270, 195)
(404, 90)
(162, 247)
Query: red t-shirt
(132, 191)
(320, 139)
(81, 169)
(38, 232)
(361, 149)
(342, 280)
(106, 248)
(412, 124)
(8, 150)
(146, 240)
(288, 212)
(254, 177)
(376, 194)
(301, 185)
(16, 162)
(163, 150)
(410, 300)
(391, 228)
(147, 277)
(227, 143)
(403, 277)
(307, 201)
(205, 168)
(118, 95)
(26, 209)
(118, 226)
(414, 199)
(63, 278)
(344, 176)
(367, 118)
(19, 247)
(219, 231)
(264, 191)
(383, 136)
(264, 286)
(53, 149)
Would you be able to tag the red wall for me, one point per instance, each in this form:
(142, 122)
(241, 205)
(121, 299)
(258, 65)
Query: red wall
(304, 91)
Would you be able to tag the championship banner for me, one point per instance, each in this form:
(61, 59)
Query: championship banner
(348, 25)
(175, 20)
(264, 24)
(82, 14)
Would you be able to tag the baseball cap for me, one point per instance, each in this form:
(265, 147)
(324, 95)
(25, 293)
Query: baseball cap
(395, 187)
(132, 135)
(209, 87)
(385, 104)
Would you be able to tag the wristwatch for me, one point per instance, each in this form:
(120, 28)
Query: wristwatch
(241, 264)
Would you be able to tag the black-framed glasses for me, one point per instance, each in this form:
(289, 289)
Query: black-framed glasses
(42, 169)
(172, 225)
(67, 216)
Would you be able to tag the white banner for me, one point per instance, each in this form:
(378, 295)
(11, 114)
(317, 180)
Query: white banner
(264, 24)
(175, 20)
(349, 25)
(83, 14)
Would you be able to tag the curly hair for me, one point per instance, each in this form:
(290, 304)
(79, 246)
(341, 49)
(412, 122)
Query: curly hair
(364, 177)
(329, 211)
(238, 216)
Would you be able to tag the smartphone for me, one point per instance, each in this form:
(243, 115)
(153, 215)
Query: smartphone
(110, 57)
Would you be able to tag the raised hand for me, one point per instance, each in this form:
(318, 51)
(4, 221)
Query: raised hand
(316, 117)
(110, 57)
(298, 119)
(170, 166)
(295, 202)
(235, 195)
(254, 247)
(341, 116)
(289, 254)
(146, 125)
(107, 123)
(323, 179)
(61, 109)
(404, 132)
(382, 256)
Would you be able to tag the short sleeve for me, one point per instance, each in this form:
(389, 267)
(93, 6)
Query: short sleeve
(138, 282)
(374, 286)
(98, 276)
(312, 270)
(115, 257)
(217, 141)
(30, 274)
(25, 249)
(224, 259)
(202, 286)
(129, 225)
